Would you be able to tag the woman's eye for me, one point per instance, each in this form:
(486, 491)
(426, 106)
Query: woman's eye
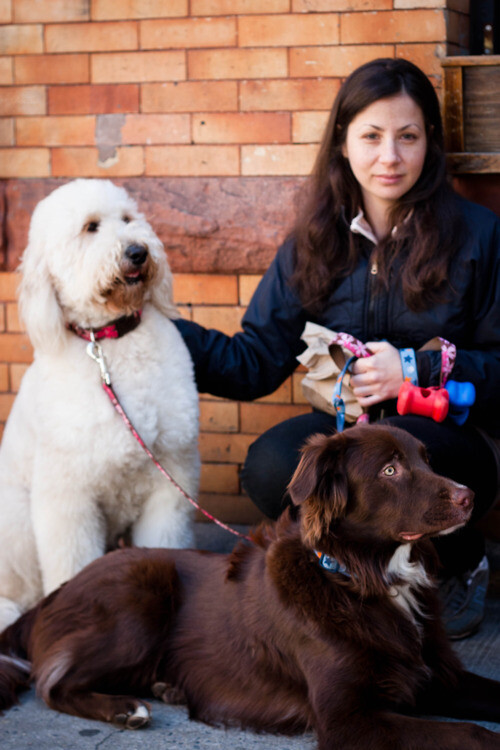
(389, 471)
(92, 226)
(409, 137)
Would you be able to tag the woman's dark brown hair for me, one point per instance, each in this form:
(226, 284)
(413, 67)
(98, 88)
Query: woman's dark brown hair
(426, 216)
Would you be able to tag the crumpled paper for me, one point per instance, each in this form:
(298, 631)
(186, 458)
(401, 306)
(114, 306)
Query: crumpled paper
(324, 364)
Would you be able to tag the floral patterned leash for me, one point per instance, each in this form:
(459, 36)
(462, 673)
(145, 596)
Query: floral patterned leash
(94, 350)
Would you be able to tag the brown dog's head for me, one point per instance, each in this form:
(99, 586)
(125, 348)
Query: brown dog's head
(373, 483)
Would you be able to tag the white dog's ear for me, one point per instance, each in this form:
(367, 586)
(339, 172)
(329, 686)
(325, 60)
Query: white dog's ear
(162, 291)
(38, 305)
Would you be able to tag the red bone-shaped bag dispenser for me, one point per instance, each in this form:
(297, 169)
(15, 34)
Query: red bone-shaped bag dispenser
(428, 402)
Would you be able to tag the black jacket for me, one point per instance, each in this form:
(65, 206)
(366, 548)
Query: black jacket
(256, 361)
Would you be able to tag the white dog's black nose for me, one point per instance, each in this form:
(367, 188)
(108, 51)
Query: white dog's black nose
(137, 254)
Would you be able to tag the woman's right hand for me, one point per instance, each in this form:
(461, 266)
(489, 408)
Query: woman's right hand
(379, 377)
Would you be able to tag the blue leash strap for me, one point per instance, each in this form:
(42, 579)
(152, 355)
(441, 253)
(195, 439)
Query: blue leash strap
(338, 401)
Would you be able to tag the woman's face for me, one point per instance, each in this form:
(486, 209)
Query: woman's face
(386, 144)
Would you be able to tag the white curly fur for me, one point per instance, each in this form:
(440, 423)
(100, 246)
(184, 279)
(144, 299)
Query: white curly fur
(72, 477)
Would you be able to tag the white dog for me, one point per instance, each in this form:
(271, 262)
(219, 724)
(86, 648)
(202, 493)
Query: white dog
(72, 477)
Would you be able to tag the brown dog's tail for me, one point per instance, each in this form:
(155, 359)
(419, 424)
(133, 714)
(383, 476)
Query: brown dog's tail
(15, 669)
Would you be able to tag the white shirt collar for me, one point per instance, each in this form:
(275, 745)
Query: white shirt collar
(360, 225)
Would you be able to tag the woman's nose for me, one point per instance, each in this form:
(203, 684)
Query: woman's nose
(389, 153)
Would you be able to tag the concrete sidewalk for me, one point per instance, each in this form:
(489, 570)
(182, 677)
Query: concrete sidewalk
(32, 725)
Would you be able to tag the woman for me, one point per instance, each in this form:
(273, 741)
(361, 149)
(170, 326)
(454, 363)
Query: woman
(383, 249)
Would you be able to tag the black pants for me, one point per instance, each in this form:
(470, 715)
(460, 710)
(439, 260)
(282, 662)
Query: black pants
(460, 453)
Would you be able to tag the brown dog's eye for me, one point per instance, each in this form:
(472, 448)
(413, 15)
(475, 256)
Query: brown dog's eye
(389, 471)
(92, 226)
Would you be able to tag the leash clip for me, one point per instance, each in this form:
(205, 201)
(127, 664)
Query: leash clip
(94, 350)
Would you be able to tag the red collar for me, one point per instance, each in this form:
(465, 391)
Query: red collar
(113, 330)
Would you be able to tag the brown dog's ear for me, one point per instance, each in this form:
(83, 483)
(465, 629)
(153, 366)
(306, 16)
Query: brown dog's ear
(319, 485)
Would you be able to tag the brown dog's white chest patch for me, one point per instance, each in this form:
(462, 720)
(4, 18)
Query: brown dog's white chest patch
(410, 576)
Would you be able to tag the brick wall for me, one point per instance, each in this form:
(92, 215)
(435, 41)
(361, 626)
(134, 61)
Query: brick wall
(209, 112)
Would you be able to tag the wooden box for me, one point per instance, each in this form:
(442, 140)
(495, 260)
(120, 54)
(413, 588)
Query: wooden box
(472, 113)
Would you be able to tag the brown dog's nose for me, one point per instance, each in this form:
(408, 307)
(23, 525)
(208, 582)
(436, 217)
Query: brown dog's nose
(462, 496)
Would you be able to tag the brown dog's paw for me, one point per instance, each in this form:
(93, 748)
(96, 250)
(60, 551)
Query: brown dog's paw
(139, 715)
(168, 693)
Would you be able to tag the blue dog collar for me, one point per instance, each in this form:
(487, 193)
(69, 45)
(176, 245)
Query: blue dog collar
(332, 565)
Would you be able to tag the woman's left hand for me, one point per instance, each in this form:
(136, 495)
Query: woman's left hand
(379, 377)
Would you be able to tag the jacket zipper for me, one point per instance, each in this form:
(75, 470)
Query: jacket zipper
(371, 298)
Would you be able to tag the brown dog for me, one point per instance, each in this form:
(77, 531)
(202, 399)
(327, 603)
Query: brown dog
(277, 636)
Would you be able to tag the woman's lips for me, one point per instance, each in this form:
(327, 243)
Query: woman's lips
(389, 179)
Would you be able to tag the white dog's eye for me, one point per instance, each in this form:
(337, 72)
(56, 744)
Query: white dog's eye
(92, 226)
(127, 219)
(389, 471)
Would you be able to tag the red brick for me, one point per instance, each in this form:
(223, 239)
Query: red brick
(91, 37)
(288, 30)
(393, 26)
(247, 285)
(3, 318)
(237, 63)
(224, 448)
(103, 10)
(6, 401)
(230, 509)
(186, 33)
(48, 69)
(55, 131)
(427, 56)
(308, 127)
(278, 160)
(241, 128)
(16, 347)
(51, 11)
(190, 96)
(157, 129)
(22, 100)
(5, 11)
(13, 325)
(6, 131)
(21, 40)
(226, 319)
(297, 393)
(80, 100)
(131, 67)
(282, 395)
(218, 478)
(6, 71)
(235, 7)
(16, 374)
(316, 6)
(205, 289)
(85, 162)
(288, 94)
(192, 161)
(24, 162)
(9, 283)
(406, 4)
(257, 418)
(337, 61)
(217, 416)
(4, 378)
